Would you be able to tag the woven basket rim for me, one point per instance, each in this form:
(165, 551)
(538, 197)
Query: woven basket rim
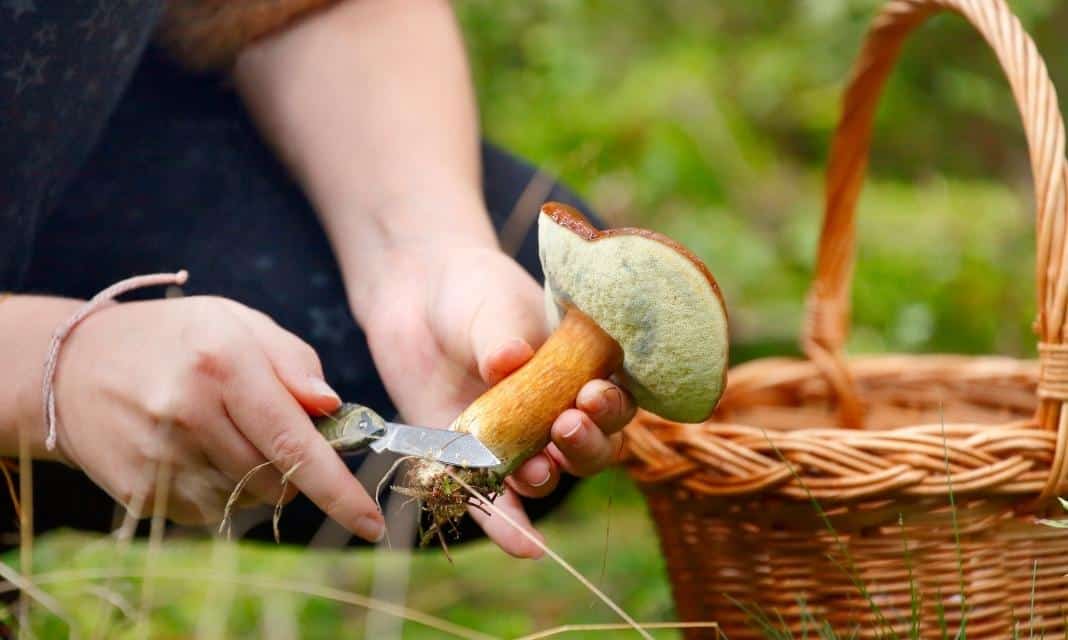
(1024, 456)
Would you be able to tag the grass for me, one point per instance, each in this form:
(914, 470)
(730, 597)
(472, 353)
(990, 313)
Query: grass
(481, 590)
(212, 589)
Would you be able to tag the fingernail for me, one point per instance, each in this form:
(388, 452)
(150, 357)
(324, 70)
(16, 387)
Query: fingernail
(548, 475)
(512, 343)
(611, 399)
(371, 528)
(574, 430)
(322, 389)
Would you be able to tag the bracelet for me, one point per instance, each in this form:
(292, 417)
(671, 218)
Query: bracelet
(62, 331)
(4, 295)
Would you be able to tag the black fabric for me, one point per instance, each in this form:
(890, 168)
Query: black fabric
(180, 179)
(63, 67)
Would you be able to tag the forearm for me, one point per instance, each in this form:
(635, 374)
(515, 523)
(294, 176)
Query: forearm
(26, 326)
(370, 105)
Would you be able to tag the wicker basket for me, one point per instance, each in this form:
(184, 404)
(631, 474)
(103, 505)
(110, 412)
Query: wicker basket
(870, 438)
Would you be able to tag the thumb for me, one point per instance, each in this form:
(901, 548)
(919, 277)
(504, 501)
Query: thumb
(504, 332)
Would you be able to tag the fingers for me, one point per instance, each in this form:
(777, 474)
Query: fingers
(294, 362)
(503, 360)
(535, 478)
(609, 406)
(579, 446)
(503, 533)
(502, 332)
(274, 423)
(227, 449)
(586, 439)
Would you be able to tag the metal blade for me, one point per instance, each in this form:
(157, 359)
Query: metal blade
(449, 447)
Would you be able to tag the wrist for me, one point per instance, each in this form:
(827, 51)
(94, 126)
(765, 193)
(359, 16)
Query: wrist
(26, 327)
(404, 240)
(451, 214)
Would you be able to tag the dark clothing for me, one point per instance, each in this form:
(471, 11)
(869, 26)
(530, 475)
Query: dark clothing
(179, 178)
(63, 68)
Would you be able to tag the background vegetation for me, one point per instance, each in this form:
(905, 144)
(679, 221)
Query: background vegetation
(708, 121)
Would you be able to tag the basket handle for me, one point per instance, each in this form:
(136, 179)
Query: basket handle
(827, 314)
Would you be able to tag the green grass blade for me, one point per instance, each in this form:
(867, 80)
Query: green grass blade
(940, 615)
(760, 619)
(1034, 583)
(785, 627)
(956, 531)
(850, 567)
(806, 617)
(914, 591)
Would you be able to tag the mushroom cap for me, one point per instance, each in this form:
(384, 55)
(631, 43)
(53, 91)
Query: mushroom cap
(654, 297)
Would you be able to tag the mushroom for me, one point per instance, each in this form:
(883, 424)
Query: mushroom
(626, 303)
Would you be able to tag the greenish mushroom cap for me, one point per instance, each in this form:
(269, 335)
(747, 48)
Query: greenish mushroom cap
(655, 298)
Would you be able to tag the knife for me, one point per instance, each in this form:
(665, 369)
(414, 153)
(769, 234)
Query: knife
(354, 428)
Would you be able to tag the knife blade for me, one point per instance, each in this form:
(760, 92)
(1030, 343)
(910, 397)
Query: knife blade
(449, 447)
(354, 428)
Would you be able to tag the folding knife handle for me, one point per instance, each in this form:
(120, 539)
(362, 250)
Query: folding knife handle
(351, 428)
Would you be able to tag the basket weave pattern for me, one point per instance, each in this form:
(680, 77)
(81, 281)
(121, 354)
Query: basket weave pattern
(870, 439)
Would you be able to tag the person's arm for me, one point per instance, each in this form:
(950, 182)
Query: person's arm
(370, 104)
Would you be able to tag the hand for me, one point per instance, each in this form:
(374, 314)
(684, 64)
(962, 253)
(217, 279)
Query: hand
(447, 322)
(212, 389)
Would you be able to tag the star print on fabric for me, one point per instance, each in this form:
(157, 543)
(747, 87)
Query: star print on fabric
(46, 35)
(98, 20)
(19, 7)
(121, 41)
(329, 325)
(29, 72)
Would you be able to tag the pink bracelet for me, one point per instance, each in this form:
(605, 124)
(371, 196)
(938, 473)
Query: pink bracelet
(98, 301)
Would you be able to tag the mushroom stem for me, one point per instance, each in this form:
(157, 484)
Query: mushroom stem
(514, 418)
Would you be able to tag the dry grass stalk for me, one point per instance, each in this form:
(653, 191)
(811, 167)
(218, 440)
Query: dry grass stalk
(494, 510)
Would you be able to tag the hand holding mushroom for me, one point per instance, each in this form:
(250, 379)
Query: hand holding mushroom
(449, 320)
(627, 303)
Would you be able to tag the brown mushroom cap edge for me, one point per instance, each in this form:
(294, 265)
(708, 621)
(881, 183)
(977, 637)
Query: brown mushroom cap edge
(570, 218)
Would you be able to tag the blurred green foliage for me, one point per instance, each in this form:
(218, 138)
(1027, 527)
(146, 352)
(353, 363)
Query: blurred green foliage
(709, 121)
(609, 540)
